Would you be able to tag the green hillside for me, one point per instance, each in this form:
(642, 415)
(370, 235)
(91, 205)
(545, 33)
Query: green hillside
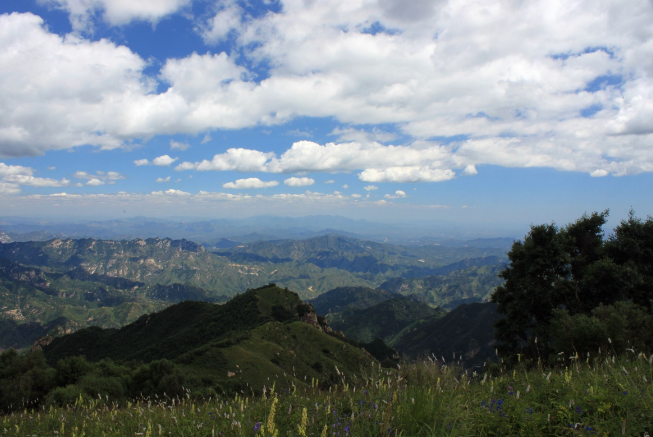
(257, 335)
(472, 284)
(465, 334)
(386, 320)
(343, 298)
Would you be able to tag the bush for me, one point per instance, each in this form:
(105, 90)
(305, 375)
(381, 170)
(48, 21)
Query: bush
(70, 370)
(25, 380)
(613, 328)
(63, 396)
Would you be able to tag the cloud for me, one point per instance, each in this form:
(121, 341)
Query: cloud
(11, 170)
(140, 162)
(9, 188)
(52, 168)
(362, 136)
(598, 173)
(356, 196)
(244, 160)
(299, 133)
(406, 174)
(249, 183)
(110, 175)
(115, 12)
(397, 195)
(60, 92)
(470, 170)
(371, 188)
(345, 186)
(170, 192)
(174, 145)
(21, 179)
(225, 21)
(160, 180)
(206, 138)
(163, 161)
(515, 98)
(299, 182)
(94, 182)
(330, 181)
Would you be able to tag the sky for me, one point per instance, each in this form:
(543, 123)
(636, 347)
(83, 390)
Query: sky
(497, 112)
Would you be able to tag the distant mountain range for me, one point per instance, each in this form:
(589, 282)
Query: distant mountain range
(245, 230)
(63, 285)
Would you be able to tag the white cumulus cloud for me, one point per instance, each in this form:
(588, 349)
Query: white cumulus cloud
(115, 12)
(163, 161)
(470, 170)
(598, 173)
(406, 174)
(299, 182)
(160, 180)
(514, 82)
(32, 181)
(141, 162)
(94, 182)
(397, 195)
(249, 183)
(109, 175)
(244, 160)
(175, 145)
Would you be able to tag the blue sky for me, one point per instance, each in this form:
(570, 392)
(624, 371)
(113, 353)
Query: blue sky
(459, 111)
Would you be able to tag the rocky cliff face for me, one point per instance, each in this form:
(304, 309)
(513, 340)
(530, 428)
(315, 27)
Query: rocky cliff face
(4, 238)
(310, 316)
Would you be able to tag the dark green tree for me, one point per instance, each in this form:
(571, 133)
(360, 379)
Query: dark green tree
(546, 273)
(631, 247)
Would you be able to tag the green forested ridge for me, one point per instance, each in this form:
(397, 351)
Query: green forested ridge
(386, 320)
(465, 335)
(343, 298)
(215, 348)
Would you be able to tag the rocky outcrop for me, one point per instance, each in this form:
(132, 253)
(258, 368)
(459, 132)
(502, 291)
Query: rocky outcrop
(42, 342)
(308, 315)
(4, 238)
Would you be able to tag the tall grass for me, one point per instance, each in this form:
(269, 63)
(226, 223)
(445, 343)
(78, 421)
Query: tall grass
(589, 396)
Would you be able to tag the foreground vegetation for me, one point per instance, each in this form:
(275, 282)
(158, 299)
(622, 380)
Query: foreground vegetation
(581, 396)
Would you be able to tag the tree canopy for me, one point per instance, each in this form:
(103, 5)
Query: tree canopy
(565, 273)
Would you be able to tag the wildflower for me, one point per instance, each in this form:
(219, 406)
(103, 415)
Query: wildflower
(302, 425)
(579, 411)
(257, 426)
(273, 408)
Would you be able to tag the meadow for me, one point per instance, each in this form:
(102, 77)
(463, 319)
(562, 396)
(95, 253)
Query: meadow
(601, 396)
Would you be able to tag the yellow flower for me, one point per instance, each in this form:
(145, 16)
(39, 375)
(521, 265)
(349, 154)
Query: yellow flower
(302, 426)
